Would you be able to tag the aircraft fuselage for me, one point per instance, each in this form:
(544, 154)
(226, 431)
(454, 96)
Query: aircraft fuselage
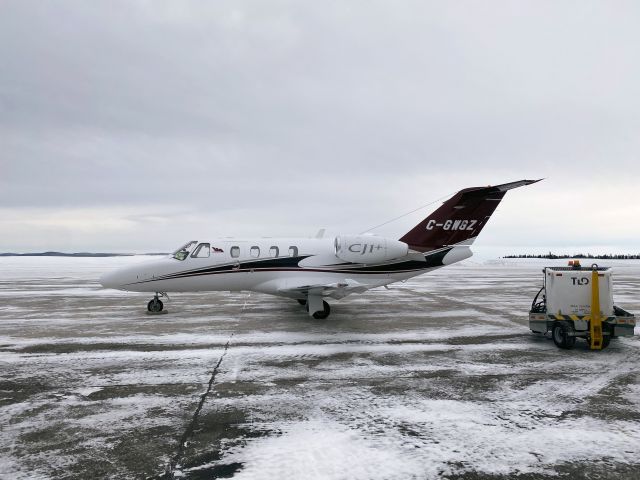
(277, 266)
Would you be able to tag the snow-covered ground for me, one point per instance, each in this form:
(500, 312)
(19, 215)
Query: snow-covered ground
(437, 378)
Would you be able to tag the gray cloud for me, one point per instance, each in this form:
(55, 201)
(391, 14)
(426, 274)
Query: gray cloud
(279, 117)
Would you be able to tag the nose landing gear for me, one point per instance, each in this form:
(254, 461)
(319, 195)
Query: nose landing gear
(155, 305)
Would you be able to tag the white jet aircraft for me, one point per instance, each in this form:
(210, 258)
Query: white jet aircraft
(311, 269)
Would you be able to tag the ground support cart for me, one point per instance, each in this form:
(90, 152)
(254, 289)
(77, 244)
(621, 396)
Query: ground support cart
(577, 302)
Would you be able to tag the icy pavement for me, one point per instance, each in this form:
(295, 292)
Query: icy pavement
(437, 378)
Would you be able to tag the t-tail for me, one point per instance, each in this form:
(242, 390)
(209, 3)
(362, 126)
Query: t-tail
(460, 219)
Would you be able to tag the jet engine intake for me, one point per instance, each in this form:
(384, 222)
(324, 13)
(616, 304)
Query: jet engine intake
(368, 248)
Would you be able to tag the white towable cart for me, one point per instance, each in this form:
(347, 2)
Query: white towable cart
(577, 302)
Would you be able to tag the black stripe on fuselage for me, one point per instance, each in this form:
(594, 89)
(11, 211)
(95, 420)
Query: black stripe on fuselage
(268, 263)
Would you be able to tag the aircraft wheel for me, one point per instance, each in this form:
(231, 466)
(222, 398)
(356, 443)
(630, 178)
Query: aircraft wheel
(561, 335)
(155, 305)
(302, 302)
(324, 313)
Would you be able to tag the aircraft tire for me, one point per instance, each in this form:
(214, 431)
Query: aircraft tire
(155, 305)
(323, 314)
(302, 302)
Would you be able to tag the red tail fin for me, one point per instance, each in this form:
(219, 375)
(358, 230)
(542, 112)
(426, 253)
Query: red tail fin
(459, 219)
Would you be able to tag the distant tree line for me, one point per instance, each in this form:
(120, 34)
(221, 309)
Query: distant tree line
(606, 256)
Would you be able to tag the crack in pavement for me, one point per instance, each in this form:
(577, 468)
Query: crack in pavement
(170, 470)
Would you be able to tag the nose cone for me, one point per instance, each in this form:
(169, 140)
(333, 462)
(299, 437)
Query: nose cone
(121, 278)
(112, 280)
(139, 277)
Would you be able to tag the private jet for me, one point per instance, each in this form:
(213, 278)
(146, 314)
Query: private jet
(311, 269)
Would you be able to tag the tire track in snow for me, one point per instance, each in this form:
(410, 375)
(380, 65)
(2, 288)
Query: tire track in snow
(606, 373)
(497, 315)
(592, 382)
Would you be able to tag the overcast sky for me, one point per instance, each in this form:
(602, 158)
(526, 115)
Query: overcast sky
(136, 126)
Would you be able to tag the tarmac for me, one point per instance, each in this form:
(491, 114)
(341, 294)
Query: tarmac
(438, 377)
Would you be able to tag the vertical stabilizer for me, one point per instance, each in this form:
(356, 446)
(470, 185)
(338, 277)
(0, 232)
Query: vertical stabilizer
(460, 219)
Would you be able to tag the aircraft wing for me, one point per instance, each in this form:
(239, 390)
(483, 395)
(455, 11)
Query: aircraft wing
(334, 290)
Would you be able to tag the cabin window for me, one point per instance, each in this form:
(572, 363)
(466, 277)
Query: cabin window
(274, 251)
(235, 252)
(202, 251)
(255, 251)
(293, 251)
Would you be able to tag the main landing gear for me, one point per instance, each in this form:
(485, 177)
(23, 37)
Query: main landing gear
(322, 314)
(318, 314)
(155, 305)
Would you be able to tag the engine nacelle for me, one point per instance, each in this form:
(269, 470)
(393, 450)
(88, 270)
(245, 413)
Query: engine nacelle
(368, 249)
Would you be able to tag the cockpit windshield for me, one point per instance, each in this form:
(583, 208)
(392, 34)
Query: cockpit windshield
(183, 252)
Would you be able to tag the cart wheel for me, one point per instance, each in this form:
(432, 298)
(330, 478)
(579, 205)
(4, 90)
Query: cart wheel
(561, 335)
(606, 339)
